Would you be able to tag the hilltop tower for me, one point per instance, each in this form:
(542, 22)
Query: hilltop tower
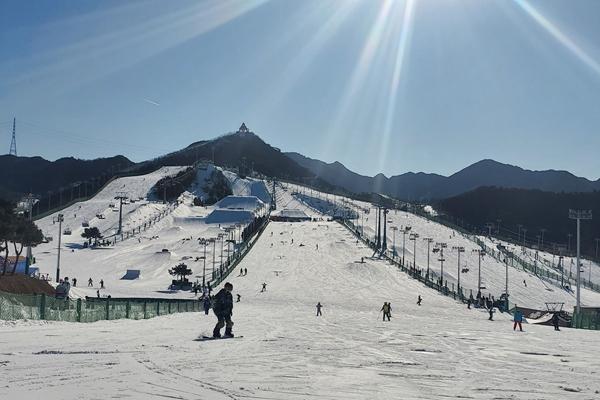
(13, 142)
(244, 129)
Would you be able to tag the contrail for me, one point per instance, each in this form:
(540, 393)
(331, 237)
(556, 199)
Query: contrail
(151, 102)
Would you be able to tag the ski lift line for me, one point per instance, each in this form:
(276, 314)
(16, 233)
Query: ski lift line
(39, 130)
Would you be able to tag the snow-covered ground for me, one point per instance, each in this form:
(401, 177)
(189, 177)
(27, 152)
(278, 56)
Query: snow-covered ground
(177, 233)
(525, 289)
(434, 351)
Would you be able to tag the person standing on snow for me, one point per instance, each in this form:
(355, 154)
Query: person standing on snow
(387, 310)
(518, 319)
(491, 312)
(319, 306)
(555, 321)
(206, 304)
(419, 300)
(223, 309)
(264, 287)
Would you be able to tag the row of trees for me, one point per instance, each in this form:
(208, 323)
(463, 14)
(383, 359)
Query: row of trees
(16, 232)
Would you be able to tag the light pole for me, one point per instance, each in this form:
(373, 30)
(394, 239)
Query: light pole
(428, 240)
(459, 249)
(214, 242)
(441, 246)
(542, 231)
(59, 218)
(414, 237)
(579, 215)
(203, 242)
(404, 232)
(569, 243)
(480, 254)
(394, 229)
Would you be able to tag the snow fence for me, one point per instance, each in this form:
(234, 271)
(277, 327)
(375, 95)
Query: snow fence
(43, 307)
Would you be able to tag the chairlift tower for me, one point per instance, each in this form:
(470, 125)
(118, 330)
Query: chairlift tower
(121, 196)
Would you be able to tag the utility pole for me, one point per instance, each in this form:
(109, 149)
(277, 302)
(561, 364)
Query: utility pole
(13, 142)
(579, 215)
(480, 254)
(59, 218)
(428, 240)
(459, 249)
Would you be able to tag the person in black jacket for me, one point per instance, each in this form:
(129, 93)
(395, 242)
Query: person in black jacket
(223, 307)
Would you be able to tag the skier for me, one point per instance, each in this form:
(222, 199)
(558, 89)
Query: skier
(245, 271)
(387, 310)
(74, 282)
(524, 283)
(223, 308)
(101, 284)
(491, 312)
(264, 287)
(90, 282)
(317, 246)
(238, 298)
(555, 321)
(319, 306)
(518, 319)
(241, 272)
(469, 303)
(206, 305)
(419, 300)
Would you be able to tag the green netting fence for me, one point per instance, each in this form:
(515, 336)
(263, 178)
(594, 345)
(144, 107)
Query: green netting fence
(43, 307)
(586, 319)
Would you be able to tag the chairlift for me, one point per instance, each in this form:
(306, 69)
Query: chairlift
(85, 224)
(67, 231)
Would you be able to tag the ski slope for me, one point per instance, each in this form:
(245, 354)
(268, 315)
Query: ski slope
(437, 350)
(524, 289)
(172, 240)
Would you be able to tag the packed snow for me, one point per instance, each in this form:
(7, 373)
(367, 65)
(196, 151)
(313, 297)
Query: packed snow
(437, 350)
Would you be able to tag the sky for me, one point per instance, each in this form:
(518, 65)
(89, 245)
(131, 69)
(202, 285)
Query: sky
(380, 85)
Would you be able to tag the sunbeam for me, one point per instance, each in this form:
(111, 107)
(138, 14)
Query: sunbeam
(403, 42)
(553, 30)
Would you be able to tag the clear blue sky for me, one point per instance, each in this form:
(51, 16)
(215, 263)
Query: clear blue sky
(381, 86)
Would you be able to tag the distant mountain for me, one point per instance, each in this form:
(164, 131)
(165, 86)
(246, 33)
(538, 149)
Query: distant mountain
(21, 175)
(422, 186)
(533, 209)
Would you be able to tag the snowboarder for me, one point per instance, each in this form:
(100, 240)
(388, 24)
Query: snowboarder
(469, 303)
(238, 298)
(319, 306)
(264, 287)
(555, 321)
(524, 283)
(491, 312)
(98, 293)
(241, 272)
(206, 304)
(223, 309)
(317, 246)
(245, 271)
(419, 300)
(518, 319)
(90, 282)
(74, 282)
(387, 310)
(101, 284)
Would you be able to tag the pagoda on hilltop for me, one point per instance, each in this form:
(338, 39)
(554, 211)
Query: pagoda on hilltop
(244, 129)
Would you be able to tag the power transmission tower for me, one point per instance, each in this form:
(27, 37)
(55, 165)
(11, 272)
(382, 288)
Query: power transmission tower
(13, 142)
